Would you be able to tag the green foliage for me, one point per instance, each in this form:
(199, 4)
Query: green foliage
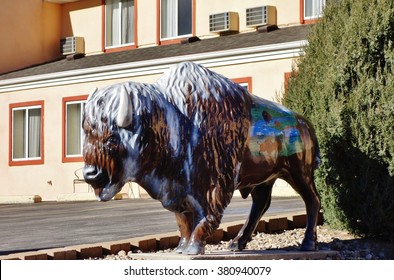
(344, 83)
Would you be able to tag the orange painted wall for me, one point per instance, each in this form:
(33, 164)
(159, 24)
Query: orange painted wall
(84, 19)
(29, 33)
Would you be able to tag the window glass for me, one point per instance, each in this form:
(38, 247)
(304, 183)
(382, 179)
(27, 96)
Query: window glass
(176, 18)
(34, 133)
(74, 135)
(18, 134)
(26, 133)
(119, 22)
(184, 17)
(313, 8)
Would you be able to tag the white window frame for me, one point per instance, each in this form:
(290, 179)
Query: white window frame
(175, 32)
(245, 85)
(81, 134)
(119, 28)
(26, 133)
(317, 9)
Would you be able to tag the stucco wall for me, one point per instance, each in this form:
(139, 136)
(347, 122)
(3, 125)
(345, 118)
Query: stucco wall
(84, 19)
(287, 12)
(147, 23)
(29, 33)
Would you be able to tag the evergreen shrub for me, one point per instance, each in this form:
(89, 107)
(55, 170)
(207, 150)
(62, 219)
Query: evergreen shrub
(344, 83)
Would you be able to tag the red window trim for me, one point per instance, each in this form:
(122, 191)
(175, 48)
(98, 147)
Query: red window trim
(41, 160)
(246, 80)
(65, 100)
(120, 48)
(287, 76)
(159, 41)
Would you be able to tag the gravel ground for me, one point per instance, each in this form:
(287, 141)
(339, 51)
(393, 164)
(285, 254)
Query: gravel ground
(349, 247)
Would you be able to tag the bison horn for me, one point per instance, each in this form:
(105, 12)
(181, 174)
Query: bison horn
(125, 115)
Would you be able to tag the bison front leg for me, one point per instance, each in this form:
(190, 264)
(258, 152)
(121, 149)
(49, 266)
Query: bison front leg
(184, 221)
(203, 229)
(204, 225)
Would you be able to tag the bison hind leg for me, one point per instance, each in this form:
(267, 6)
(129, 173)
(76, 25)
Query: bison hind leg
(261, 196)
(305, 186)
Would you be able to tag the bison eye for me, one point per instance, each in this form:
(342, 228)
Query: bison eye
(112, 144)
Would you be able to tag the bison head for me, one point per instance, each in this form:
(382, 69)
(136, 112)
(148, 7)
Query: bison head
(108, 144)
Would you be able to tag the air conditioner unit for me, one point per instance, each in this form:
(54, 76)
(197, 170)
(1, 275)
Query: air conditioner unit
(259, 16)
(72, 45)
(224, 22)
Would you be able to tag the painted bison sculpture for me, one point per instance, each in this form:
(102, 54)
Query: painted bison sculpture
(190, 140)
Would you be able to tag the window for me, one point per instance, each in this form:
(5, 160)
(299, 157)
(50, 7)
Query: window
(73, 108)
(313, 9)
(26, 133)
(119, 23)
(175, 18)
(74, 137)
(246, 82)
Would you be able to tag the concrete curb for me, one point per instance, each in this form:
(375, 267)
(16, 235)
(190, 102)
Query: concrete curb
(16, 199)
(66, 197)
(85, 197)
(243, 255)
(169, 240)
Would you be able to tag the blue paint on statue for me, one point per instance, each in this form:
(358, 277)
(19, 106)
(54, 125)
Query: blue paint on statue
(274, 127)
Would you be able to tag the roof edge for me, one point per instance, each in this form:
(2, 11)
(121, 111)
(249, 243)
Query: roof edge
(155, 66)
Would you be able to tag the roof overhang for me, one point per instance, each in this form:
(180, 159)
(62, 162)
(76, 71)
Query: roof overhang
(155, 66)
(61, 1)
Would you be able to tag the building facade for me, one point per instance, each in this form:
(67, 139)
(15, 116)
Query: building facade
(54, 52)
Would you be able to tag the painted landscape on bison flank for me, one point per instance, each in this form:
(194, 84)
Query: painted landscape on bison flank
(274, 131)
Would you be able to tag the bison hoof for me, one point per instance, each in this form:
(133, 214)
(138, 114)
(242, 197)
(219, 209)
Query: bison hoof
(194, 249)
(181, 246)
(179, 249)
(308, 245)
(236, 246)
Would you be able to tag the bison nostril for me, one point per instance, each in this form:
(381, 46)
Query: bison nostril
(89, 170)
(91, 174)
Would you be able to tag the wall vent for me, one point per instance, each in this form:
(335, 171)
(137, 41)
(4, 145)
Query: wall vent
(72, 45)
(224, 22)
(259, 16)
